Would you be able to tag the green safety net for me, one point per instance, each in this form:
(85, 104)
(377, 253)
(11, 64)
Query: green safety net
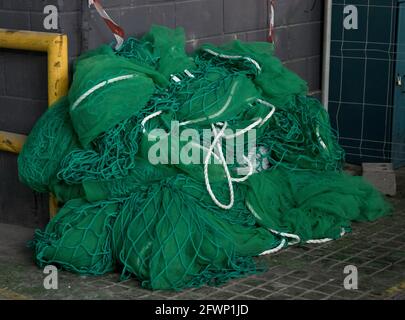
(51, 139)
(133, 201)
(79, 237)
(311, 205)
(104, 79)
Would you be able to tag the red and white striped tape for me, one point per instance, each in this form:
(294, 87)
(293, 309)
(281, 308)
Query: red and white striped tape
(117, 31)
(271, 21)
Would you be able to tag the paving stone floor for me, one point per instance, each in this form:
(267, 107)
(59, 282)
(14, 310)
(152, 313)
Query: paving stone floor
(306, 272)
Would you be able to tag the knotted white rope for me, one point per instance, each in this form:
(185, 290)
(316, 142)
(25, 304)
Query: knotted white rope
(218, 145)
(215, 148)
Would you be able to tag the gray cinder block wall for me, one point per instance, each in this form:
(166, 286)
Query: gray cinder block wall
(298, 26)
(23, 75)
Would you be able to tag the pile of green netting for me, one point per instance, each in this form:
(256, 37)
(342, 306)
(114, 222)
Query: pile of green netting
(176, 225)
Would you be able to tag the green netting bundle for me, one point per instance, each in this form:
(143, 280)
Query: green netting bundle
(278, 83)
(168, 44)
(102, 79)
(79, 238)
(299, 137)
(112, 155)
(173, 241)
(51, 139)
(312, 204)
(139, 51)
(140, 176)
(173, 225)
(216, 97)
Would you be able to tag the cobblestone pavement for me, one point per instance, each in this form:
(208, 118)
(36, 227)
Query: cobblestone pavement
(377, 249)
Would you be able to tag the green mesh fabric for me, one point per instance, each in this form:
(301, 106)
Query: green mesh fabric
(64, 192)
(312, 204)
(112, 154)
(79, 238)
(160, 222)
(91, 97)
(164, 247)
(168, 44)
(299, 137)
(139, 51)
(278, 83)
(213, 98)
(142, 174)
(51, 139)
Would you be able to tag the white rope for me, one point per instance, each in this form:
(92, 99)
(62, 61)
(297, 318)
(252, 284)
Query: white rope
(216, 114)
(285, 235)
(147, 118)
(157, 113)
(282, 244)
(293, 236)
(259, 122)
(206, 150)
(99, 86)
(217, 140)
(273, 109)
(225, 56)
(320, 140)
(217, 146)
(342, 233)
(188, 73)
(285, 243)
(175, 78)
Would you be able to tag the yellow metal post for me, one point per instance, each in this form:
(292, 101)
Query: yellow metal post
(11, 142)
(56, 46)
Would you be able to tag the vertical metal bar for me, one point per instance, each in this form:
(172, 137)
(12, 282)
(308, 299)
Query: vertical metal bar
(326, 52)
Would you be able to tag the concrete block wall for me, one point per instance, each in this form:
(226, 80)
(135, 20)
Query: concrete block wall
(23, 98)
(23, 80)
(298, 26)
(23, 75)
(299, 32)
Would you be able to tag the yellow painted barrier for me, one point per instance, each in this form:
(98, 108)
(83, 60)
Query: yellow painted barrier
(11, 142)
(56, 46)
(52, 43)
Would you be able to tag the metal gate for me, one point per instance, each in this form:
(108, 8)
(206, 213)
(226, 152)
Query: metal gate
(365, 106)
